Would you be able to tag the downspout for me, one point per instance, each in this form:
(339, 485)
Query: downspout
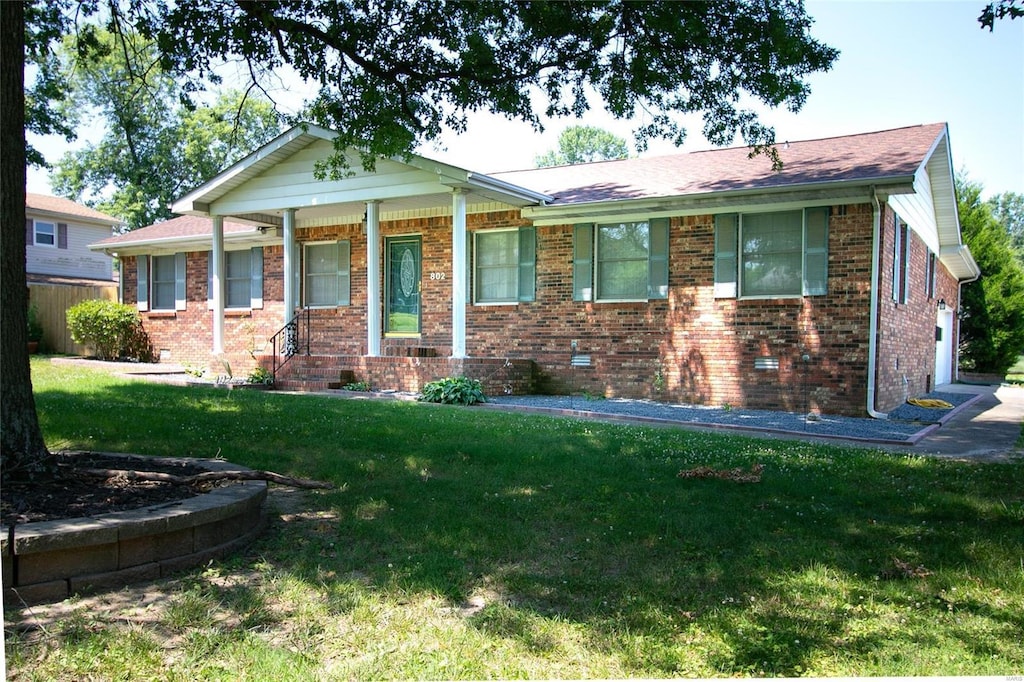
(876, 256)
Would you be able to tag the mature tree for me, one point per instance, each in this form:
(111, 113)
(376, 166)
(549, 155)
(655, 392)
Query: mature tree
(392, 75)
(395, 74)
(583, 144)
(1000, 9)
(23, 449)
(155, 147)
(1008, 209)
(991, 308)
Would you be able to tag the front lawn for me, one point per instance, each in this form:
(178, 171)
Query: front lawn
(468, 544)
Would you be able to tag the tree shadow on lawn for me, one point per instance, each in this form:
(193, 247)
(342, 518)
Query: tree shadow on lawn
(588, 523)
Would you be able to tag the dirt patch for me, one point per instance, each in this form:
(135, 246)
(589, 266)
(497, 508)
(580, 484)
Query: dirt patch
(71, 495)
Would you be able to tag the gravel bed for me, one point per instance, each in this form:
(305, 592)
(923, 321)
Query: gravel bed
(898, 429)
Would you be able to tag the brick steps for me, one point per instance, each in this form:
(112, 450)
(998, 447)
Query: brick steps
(405, 373)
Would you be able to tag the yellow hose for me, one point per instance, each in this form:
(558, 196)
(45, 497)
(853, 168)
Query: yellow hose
(930, 403)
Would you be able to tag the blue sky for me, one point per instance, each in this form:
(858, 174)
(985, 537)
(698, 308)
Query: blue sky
(901, 64)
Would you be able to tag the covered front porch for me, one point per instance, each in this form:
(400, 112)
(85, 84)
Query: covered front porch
(373, 274)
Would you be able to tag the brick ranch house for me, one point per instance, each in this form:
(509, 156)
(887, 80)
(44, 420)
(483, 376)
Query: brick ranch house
(705, 278)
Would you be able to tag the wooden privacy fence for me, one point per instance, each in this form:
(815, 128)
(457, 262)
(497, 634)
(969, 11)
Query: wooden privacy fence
(52, 302)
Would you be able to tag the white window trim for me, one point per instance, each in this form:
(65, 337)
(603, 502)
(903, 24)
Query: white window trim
(476, 265)
(35, 234)
(598, 262)
(153, 305)
(305, 274)
(720, 290)
(248, 279)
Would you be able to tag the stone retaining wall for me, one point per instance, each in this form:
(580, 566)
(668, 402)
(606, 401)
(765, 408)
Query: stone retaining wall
(52, 560)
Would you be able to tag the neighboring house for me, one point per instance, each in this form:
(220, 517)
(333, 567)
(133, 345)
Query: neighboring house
(61, 270)
(707, 278)
(58, 233)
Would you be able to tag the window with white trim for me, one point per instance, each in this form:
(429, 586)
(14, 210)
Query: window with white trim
(161, 282)
(242, 280)
(505, 264)
(625, 261)
(328, 274)
(771, 255)
(44, 233)
(162, 287)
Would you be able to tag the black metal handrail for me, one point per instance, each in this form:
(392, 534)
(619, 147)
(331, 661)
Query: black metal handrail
(290, 340)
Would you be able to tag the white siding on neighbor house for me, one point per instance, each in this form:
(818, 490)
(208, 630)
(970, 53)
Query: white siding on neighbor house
(292, 184)
(74, 261)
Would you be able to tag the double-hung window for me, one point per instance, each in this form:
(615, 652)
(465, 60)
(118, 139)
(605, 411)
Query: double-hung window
(625, 261)
(771, 255)
(242, 279)
(504, 265)
(328, 274)
(45, 234)
(161, 282)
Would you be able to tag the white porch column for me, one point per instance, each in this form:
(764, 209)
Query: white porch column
(217, 284)
(373, 284)
(459, 284)
(291, 299)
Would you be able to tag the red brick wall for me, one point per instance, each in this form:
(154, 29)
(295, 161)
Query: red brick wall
(906, 331)
(690, 348)
(186, 336)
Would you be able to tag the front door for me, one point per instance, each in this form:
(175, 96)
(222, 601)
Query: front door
(944, 348)
(402, 278)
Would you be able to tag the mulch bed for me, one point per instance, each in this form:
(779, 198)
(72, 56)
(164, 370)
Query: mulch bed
(70, 495)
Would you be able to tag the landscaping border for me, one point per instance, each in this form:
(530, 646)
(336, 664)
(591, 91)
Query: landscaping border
(48, 561)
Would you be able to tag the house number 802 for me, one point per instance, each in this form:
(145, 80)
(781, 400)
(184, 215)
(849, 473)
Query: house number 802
(437, 275)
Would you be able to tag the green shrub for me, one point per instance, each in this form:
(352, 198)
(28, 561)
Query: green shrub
(35, 327)
(113, 330)
(453, 391)
(260, 375)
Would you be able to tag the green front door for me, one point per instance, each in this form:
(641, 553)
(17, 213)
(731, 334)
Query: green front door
(402, 277)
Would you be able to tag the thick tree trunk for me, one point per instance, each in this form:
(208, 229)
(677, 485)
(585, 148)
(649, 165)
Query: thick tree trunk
(21, 442)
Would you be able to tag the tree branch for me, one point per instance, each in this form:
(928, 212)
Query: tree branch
(205, 477)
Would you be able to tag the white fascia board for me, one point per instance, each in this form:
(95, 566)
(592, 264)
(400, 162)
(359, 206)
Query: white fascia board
(197, 201)
(960, 262)
(253, 237)
(243, 206)
(775, 199)
(456, 177)
(507, 189)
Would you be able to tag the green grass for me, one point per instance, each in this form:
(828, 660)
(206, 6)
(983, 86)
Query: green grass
(465, 543)
(1015, 375)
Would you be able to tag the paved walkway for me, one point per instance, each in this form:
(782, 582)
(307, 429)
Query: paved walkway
(987, 429)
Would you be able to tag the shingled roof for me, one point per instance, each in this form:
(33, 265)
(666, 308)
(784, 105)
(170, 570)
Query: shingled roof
(868, 157)
(44, 203)
(180, 231)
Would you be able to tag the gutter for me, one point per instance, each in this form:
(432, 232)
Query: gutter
(202, 242)
(876, 247)
(718, 199)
